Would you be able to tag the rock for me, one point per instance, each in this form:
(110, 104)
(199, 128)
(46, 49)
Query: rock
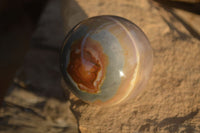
(170, 102)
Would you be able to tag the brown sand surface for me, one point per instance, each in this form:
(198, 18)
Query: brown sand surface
(170, 102)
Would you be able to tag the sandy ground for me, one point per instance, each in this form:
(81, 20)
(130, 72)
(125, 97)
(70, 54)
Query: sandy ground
(170, 102)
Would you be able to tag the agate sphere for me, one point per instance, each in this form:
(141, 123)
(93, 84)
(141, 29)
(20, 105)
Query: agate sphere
(106, 60)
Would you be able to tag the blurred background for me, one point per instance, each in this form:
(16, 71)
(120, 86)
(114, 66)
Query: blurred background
(18, 19)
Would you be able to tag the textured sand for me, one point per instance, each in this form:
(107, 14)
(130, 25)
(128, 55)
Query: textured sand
(170, 101)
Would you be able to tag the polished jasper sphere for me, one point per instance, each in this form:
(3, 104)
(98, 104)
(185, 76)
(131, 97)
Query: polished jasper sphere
(106, 60)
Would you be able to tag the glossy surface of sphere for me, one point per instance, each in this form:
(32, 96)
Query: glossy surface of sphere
(106, 60)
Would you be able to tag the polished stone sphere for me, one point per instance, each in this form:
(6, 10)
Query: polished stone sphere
(106, 60)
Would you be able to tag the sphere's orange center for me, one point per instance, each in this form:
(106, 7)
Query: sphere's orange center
(87, 65)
